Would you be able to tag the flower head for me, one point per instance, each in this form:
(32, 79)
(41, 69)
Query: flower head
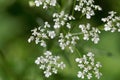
(89, 31)
(87, 7)
(61, 19)
(45, 3)
(112, 22)
(67, 40)
(88, 67)
(49, 63)
(41, 34)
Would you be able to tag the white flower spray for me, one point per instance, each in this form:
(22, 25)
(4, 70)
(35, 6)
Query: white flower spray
(89, 31)
(67, 39)
(88, 67)
(49, 63)
(45, 3)
(87, 7)
(112, 22)
(41, 34)
(61, 18)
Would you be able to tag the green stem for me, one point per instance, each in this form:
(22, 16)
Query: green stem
(77, 34)
(77, 51)
(81, 16)
(79, 20)
(73, 7)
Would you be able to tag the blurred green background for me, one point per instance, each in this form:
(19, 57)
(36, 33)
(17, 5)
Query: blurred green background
(17, 55)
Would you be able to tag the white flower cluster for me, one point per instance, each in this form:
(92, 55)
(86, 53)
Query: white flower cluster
(61, 19)
(87, 7)
(49, 63)
(67, 41)
(112, 22)
(88, 67)
(89, 31)
(41, 34)
(62, 31)
(45, 3)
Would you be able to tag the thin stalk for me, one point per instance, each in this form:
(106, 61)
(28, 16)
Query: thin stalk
(73, 7)
(76, 34)
(77, 51)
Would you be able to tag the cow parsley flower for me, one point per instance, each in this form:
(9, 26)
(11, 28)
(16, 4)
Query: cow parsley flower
(49, 63)
(61, 19)
(67, 41)
(41, 34)
(51, 34)
(87, 7)
(88, 67)
(45, 3)
(89, 31)
(112, 22)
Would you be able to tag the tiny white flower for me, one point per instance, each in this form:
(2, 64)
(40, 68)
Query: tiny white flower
(34, 32)
(47, 53)
(56, 26)
(47, 73)
(98, 65)
(71, 49)
(42, 67)
(118, 30)
(80, 75)
(43, 43)
(54, 70)
(107, 28)
(88, 16)
(51, 34)
(31, 39)
(79, 60)
(37, 61)
(68, 25)
(90, 54)
(98, 74)
(46, 25)
(89, 76)
(81, 66)
(61, 65)
(37, 40)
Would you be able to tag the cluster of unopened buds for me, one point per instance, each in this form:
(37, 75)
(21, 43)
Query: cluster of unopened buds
(60, 31)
